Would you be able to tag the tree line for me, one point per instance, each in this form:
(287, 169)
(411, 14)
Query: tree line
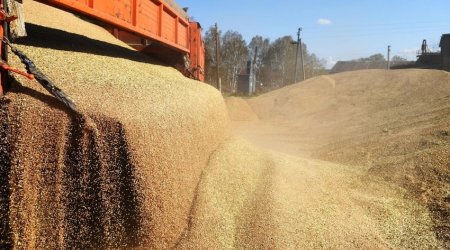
(380, 58)
(274, 60)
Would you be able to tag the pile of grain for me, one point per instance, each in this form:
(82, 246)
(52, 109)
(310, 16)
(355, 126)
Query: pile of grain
(239, 110)
(250, 198)
(177, 8)
(124, 174)
(392, 124)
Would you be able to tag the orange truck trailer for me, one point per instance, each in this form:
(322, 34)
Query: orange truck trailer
(156, 27)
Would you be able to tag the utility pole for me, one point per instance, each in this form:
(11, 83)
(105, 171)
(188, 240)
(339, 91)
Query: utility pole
(389, 58)
(253, 72)
(299, 47)
(296, 55)
(303, 61)
(219, 87)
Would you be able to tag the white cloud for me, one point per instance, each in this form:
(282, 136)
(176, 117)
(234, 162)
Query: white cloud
(324, 21)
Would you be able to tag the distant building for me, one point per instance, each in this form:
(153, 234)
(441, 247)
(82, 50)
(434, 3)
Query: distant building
(445, 51)
(246, 82)
(426, 59)
(342, 66)
(435, 60)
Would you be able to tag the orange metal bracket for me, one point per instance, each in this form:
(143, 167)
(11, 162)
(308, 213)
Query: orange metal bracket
(6, 67)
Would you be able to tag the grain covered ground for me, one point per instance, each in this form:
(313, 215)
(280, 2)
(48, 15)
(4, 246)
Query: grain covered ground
(355, 160)
(390, 126)
(239, 109)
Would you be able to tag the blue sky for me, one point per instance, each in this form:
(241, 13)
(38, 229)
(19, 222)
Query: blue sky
(333, 29)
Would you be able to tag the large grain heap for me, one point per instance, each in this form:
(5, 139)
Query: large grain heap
(123, 175)
(151, 163)
(392, 125)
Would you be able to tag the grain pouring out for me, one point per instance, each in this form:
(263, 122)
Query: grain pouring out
(124, 125)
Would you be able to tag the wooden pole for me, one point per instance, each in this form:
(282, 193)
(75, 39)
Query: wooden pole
(218, 58)
(303, 60)
(296, 55)
(299, 48)
(17, 27)
(389, 58)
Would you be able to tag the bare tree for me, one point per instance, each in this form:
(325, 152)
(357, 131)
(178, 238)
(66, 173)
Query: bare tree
(373, 58)
(234, 54)
(209, 40)
(313, 65)
(278, 64)
(274, 61)
(262, 46)
(398, 59)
